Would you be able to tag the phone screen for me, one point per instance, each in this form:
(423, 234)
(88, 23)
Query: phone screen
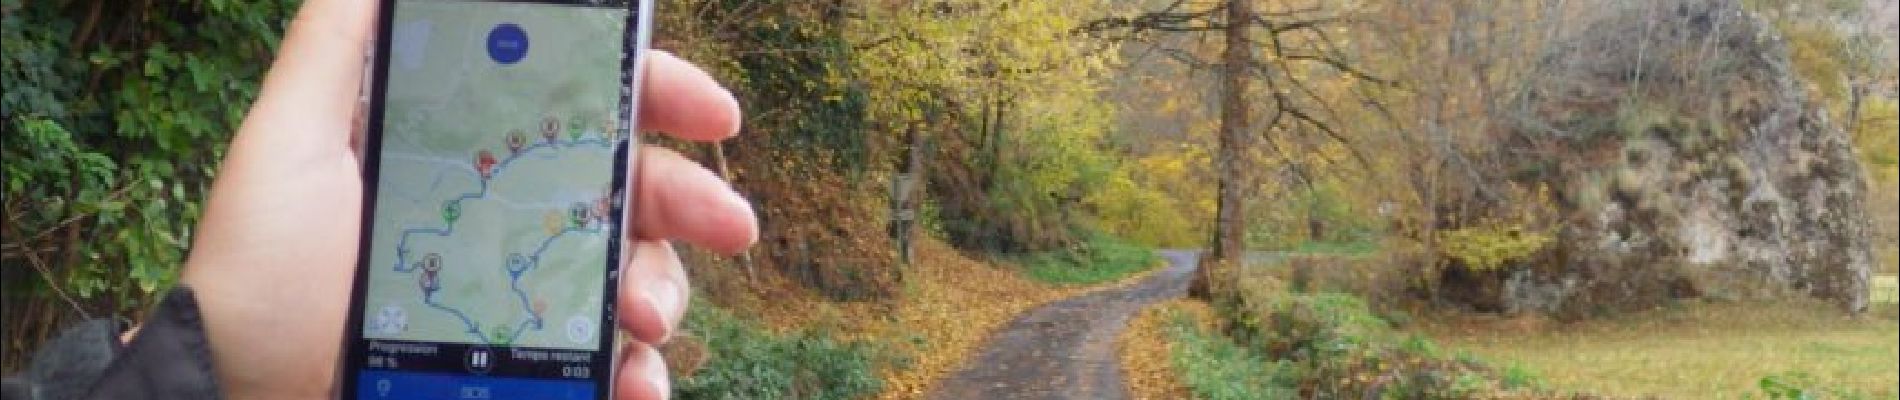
(495, 163)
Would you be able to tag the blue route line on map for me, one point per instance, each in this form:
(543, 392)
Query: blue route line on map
(514, 277)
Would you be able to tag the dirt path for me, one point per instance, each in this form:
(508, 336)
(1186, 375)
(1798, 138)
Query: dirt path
(1065, 349)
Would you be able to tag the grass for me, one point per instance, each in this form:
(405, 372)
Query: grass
(1215, 367)
(746, 360)
(1273, 341)
(1097, 259)
(1696, 350)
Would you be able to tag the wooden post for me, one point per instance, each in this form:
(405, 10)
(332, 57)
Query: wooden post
(718, 154)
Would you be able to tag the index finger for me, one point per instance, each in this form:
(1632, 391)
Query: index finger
(682, 100)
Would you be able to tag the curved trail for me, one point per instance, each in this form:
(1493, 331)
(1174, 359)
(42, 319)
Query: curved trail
(516, 265)
(1065, 349)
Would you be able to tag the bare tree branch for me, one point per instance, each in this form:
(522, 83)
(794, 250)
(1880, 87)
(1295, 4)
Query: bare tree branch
(1168, 19)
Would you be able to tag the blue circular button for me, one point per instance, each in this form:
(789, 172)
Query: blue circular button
(507, 43)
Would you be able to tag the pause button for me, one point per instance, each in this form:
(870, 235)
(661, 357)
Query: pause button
(479, 360)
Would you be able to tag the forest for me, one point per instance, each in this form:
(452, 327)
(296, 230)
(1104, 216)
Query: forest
(1216, 199)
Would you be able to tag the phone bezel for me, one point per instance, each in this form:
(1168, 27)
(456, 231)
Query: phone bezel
(637, 39)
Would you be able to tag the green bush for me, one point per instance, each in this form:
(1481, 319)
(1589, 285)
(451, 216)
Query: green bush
(115, 116)
(1214, 367)
(746, 362)
(1332, 345)
(1097, 258)
(1314, 326)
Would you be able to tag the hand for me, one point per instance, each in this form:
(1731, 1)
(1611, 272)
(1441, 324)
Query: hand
(273, 259)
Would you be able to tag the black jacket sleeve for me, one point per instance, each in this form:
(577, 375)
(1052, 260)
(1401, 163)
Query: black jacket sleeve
(170, 358)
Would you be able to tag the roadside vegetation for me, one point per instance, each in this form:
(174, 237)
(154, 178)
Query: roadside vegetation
(1277, 341)
(1689, 349)
(1095, 259)
(738, 358)
(1314, 339)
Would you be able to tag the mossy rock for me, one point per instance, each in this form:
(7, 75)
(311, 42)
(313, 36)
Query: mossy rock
(1628, 185)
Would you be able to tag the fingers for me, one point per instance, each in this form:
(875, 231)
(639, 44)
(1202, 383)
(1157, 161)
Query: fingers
(679, 199)
(680, 99)
(318, 76)
(315, 82)
(642, 374)
(653, 292)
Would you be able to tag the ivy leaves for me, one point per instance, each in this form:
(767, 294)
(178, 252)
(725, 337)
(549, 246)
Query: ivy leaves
(117, 117)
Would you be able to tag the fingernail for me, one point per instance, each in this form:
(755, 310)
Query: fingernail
(744, 207)
(665, 298)
(737, 123)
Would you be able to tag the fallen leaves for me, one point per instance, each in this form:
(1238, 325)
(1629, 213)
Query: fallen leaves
(949, 306)
(1146, 355)
(953, 306)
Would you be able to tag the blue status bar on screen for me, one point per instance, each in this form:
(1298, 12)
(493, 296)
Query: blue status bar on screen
(379, 385)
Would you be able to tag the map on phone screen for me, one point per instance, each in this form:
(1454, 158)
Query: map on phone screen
(494, 201)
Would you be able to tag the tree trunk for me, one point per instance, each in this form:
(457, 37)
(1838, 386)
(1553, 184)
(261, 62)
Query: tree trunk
(911, 195)
(1229, 219)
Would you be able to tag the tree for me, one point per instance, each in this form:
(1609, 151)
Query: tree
(1288, 34)
(998, 97)
(988, 107)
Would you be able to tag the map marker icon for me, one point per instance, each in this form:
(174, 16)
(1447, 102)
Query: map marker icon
(601, 209)
(540, 308)
(432, 263)
(517, 264)
(450, 211)
(610, 128)
(485, 163)
(430, 280)
(550, 128)
(516, 140)
(553, 222)
(579, 214)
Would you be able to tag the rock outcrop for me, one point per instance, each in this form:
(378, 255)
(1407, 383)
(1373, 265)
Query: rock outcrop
(1692, 164)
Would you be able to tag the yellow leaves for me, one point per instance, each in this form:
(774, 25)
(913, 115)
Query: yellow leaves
(1146, 359)
(1154, 200)
(1488, 248)
(1875, 135)
(950, 310)
(1514, 232)
(967, 49)
(953, 306)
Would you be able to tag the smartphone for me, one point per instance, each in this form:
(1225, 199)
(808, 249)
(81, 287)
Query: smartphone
(496, 175)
